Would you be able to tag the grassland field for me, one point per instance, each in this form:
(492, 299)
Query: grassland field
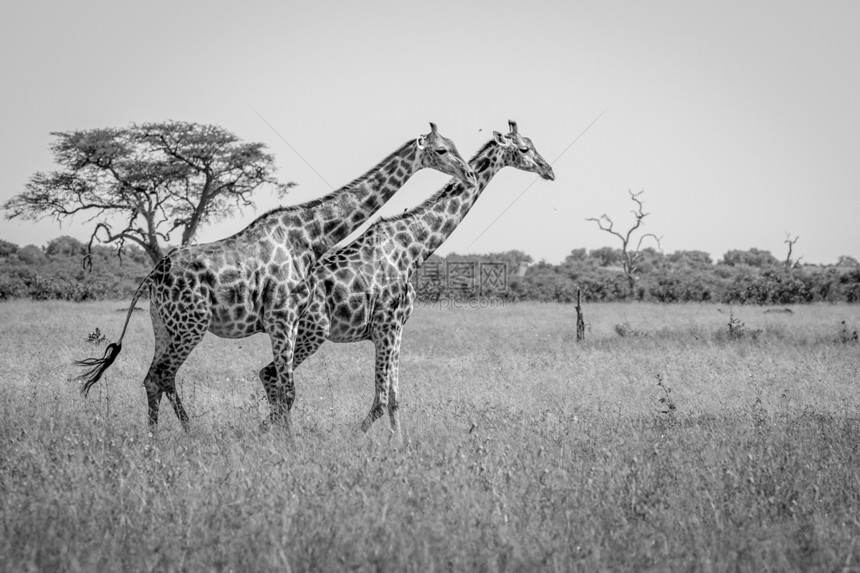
(526, 450)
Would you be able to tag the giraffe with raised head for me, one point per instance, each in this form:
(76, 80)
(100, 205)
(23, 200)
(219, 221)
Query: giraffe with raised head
(257, 280)
(363, 291)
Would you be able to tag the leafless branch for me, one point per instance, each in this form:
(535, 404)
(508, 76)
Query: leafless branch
(630, 257)
(790, 242)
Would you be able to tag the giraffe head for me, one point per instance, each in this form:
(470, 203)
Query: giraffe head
(438, 152)
(521, 153)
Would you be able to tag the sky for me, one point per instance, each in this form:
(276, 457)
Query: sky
(739, 120)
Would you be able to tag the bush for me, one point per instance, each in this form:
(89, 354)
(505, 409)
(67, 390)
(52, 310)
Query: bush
(7, 249)
(605, 288)
(10, 288)
(849, 286)
(39, 287)
(772, 287)
(677, 289)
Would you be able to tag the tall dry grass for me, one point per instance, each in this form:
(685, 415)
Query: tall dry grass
(526, 450)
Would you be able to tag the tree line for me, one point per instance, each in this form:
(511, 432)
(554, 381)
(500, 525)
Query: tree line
(751, 276)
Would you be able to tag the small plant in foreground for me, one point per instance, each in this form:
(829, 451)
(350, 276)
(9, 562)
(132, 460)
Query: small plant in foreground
(668, 406)
(846, 337)
(96, 337)
(736, 326)
(738, 330)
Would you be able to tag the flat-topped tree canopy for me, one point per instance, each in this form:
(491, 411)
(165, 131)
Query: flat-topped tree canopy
(149, 183)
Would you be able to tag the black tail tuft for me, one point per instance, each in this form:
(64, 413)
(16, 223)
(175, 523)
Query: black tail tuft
(97, 366)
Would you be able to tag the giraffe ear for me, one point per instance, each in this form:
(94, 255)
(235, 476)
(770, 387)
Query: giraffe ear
(501, 140)
(420, 142)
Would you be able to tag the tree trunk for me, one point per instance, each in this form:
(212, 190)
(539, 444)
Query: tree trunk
(580, 321)
(154, 252)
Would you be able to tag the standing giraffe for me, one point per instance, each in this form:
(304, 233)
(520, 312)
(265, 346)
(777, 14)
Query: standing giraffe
(257, 280)
(363, 291)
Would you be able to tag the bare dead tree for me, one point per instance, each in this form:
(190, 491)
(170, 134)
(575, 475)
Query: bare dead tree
(630, 255)
(790, 242)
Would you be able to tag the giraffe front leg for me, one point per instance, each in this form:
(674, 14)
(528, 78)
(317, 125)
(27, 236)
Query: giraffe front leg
(307, 343)
(380, 395)
(386, 339)
(280, 389)
(401, 316)
(393, 400)
(269, 377)
(277, 381)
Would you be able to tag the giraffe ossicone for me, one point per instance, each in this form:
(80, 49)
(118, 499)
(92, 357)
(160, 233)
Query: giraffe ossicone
(256, 280)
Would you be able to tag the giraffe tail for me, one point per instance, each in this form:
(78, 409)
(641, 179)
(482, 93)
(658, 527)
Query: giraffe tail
(97, 366)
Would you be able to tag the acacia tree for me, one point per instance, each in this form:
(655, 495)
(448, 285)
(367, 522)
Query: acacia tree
(147, 183)
(630, 256)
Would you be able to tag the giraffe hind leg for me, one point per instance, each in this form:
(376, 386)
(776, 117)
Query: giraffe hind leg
(181, 414)
(172, 348)
(151, 382)
(161, 380)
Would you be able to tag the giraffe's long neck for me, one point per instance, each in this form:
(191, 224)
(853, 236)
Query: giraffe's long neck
(313, 227)
(341, 212)
(433, 222)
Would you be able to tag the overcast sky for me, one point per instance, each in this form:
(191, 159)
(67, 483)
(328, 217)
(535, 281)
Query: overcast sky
(739, 119)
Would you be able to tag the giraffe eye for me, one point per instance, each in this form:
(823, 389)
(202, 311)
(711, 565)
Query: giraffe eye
(524, 149)
(441, 151)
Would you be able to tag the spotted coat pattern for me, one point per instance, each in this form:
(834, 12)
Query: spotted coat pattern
(363, 291)
(257, 280)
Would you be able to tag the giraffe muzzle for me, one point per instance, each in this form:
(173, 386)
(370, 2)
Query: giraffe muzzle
(548, 174)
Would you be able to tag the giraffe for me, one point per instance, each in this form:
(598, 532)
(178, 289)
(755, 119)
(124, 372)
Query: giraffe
(362, 291)
(256, 280)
